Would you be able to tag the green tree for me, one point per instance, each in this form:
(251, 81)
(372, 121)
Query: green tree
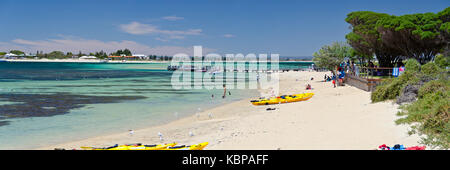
(101, 54)
(331, 56)
(417, 36)
(56, 54)
(119, 52)
(40, 54)
(80, 54)
(2, 53)
(393, 38)
(69, 54)
(365, 38)
(16, 52)
(127, 52)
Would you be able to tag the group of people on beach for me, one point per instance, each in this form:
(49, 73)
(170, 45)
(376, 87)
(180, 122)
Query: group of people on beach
(340, 77)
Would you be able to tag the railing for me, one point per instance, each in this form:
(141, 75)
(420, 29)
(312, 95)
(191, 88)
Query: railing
(367, 78)
(371, 72)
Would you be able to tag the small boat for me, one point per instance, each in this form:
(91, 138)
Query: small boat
(283, 99)
(199, 146)
(137, 146)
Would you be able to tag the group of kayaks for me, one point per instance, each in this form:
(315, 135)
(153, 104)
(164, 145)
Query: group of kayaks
(138, 146)
(283, 99)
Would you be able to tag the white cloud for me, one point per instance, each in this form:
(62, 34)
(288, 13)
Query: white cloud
(168, 38)
(86, 46)
(228, 35)
(161, 39)
(137, 28)
(172, 18)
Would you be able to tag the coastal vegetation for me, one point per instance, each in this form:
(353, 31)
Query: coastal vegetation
(421, 43)
(423, 88)
(16, 52)
(392, 39)
(62, 55)
(424, 91)
(331, 56)
(125, 52)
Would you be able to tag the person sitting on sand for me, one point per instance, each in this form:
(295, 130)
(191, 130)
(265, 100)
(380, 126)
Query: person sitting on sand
(308, 87)
(131, 132)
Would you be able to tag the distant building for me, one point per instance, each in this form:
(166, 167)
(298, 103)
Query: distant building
(10, 55)
(13, 56)
(141, 56)
(88, 57)
(134, 57)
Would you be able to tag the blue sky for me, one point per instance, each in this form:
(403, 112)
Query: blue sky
(286, 27)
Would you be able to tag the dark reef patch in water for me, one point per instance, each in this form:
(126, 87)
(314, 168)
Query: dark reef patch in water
(106, 85)
(36, 88)
(3, 123)
(45, 105)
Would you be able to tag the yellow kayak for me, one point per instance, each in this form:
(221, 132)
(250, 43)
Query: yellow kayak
(283, 99)
(133, 147)
(199, 146)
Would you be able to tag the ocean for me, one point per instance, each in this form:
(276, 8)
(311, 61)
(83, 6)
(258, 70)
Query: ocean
(46, 103)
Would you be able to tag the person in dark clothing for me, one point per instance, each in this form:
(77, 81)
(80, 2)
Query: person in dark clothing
(334, 81)
(224, 91)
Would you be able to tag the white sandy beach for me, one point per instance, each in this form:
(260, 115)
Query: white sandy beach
(334, 118)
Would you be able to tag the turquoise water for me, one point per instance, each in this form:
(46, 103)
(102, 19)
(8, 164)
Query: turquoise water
(43, 104)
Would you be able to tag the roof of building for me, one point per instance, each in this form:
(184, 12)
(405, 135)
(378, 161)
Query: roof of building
(122, 56)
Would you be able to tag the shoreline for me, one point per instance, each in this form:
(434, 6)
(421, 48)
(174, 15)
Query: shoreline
(350, 121)
(108, 61)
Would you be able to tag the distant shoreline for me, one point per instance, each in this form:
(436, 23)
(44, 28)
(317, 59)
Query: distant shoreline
(103, 61)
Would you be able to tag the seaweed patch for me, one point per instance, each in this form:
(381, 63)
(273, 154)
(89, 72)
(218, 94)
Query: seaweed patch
(45, 105)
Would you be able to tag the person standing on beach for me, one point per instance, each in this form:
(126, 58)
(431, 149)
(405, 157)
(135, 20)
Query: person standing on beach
(224, 91)
(334, 81)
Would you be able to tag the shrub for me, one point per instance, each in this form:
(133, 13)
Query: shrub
(431, 115)
(430, 69)
(412, 65)
(392, 88)
(442, 61)
(381, 93)
(432, 87)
